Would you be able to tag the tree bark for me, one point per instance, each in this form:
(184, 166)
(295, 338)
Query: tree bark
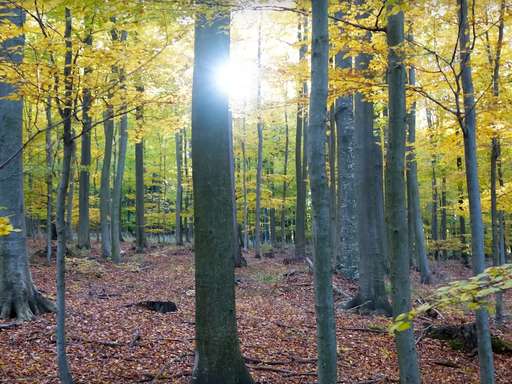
(244, 186)
(121, 160)
(105, 201)
(179, 188)
(19, 298)
(348, 255)
(49, 179)
(396, 217)
(420, 251)
(218, 357)
(324, 302)
(443, 229)
(300, 160)
(259, 166)
(140, 236)
(468, 125)
(84, 237)
(63, 365)
(285, 174)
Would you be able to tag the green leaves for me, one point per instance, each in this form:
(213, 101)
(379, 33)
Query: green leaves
(471, 293)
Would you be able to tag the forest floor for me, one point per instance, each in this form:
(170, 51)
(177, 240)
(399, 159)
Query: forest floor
(112, 341)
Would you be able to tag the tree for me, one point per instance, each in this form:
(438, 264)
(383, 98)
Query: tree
(300, 155)
(19, 298)
(140, 238)
(348, 253)
(324, 302)
(468, 126)
(413, 198)
(259, 167)
(84, 240)
(396, 217)
(179, 188)
(66, 112)
(218, 356)
(121, 157)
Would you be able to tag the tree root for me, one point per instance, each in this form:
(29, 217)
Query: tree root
(25, 307)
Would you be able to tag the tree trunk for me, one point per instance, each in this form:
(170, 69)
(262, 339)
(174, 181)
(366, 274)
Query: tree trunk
(420, 251)
(49, 179)
(300, 161)
(324, 303)
(285, 174)
(19, 298)
(105, 201)
(140, 236)
(121, 160)
(244, 186)
(64, 371)
(443, 229)
(179, 189)
(368, 188)
(396, 217)
(218, 357)
(348, 255)
(497, 216)
(71, 194)
(468, 125)
(84, 240)
(259, 167)
(331, 145)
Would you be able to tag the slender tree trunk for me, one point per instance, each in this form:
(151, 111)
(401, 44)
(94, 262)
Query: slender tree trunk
(121, 160)
(433, 162)
(64, 371)
(244, 186)
(442, 234)
(497, 217)
(49, 179)
(140, 236)
(71, 194)
(218, 357)
(179, 189)
(420, 251)
(19, 298)
(105, 201)
(300, 161)
(324, 303)
(259, 167)
(396, 217)
(468, 125)
(285, 174)
(331, 145)
(84, 240)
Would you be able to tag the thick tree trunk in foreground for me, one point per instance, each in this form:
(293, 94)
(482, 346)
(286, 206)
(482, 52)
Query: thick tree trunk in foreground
(416, 221)
(396, 216)
(19, 298)
(64, 371)
(324, 303)
(218, 357)
(84, 240)
(468, 125)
